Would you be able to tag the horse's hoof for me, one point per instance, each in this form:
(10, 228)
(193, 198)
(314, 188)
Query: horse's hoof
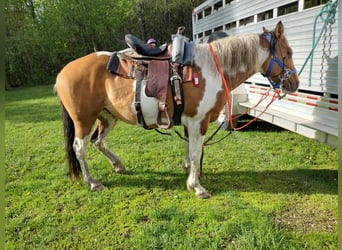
(96, 187)
(120, 169)
(203, 194)
(199, 191)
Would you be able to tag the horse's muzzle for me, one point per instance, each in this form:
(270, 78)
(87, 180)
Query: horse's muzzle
(291, 84)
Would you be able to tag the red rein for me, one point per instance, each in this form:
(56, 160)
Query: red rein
(227, 91)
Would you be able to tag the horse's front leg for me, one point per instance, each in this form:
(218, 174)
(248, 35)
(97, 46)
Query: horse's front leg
(195, 152)
(186, 163)
(114, 159)
(104, 125)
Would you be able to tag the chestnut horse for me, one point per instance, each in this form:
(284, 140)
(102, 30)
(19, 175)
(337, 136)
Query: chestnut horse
(89, 94)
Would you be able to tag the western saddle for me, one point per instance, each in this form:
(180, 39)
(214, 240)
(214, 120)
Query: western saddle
(157, 67)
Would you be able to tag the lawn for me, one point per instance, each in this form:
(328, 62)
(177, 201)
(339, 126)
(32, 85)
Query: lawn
(272, 189)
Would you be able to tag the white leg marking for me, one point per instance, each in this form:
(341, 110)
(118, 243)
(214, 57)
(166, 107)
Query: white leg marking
(187, 163)
(195, 152)
(101, 146)
(80, 147)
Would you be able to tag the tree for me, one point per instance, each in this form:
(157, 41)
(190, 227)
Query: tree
(43, 35)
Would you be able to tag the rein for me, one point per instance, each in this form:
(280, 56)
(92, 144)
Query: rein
(275, 96)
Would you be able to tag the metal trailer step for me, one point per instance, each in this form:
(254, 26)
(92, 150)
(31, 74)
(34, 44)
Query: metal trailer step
(292, 121)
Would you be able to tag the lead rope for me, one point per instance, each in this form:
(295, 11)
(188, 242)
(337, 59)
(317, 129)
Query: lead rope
(327, 15)
(276, 95)
(226, 89)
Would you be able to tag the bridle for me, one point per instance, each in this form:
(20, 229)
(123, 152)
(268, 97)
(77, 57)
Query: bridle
(286, 72)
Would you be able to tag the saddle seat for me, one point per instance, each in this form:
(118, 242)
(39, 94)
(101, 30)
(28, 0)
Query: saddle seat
(140, 51)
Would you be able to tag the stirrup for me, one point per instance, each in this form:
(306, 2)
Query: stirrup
(168, 116)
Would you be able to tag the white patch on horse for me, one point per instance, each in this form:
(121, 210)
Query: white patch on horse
(242, 68)
(80, 146)
(104, 53)
(149, 105)
(212, 87)
(262, 56)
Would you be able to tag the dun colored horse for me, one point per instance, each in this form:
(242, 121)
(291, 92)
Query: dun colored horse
(89, 95)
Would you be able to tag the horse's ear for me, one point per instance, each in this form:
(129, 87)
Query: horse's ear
(264, 29)
(279, 30)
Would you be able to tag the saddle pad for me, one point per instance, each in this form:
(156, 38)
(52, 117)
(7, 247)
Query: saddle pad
(113, 63)
(121, 67)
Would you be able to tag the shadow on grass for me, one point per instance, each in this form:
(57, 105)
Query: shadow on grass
(304, 181)
(258, 125)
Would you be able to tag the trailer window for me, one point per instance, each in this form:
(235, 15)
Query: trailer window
(229, 1)
(247, 20)
(218, 5)
(265, 15)
(199, 15)
(207, 11)
(219, 28)
(230, 25)
(287, 9)
(207, 33)
(313, 3)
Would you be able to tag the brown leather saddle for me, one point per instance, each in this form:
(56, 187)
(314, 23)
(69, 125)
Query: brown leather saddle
(154, 66)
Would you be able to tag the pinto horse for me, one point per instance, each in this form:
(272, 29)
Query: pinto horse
(90, 95)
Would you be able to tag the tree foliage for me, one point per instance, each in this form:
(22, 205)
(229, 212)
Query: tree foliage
(43, 35)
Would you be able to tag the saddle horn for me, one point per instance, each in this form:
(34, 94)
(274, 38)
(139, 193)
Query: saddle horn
(180, 30)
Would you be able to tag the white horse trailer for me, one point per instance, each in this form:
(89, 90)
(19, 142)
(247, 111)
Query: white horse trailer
(313, 110)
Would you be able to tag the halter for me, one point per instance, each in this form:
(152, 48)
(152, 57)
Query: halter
(286, 73)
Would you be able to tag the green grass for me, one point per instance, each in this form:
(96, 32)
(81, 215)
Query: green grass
(272, 189)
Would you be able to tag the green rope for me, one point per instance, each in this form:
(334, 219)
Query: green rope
(327, 15)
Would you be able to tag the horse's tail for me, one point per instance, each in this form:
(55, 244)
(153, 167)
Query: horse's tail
(69, 136)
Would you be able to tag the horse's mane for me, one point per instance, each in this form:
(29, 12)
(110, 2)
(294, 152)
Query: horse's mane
(236, 54)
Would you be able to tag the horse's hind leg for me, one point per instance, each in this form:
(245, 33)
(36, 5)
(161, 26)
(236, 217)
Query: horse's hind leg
(80, 148)
(105, 124)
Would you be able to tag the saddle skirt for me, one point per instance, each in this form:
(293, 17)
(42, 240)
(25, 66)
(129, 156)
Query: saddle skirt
(156, 72)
